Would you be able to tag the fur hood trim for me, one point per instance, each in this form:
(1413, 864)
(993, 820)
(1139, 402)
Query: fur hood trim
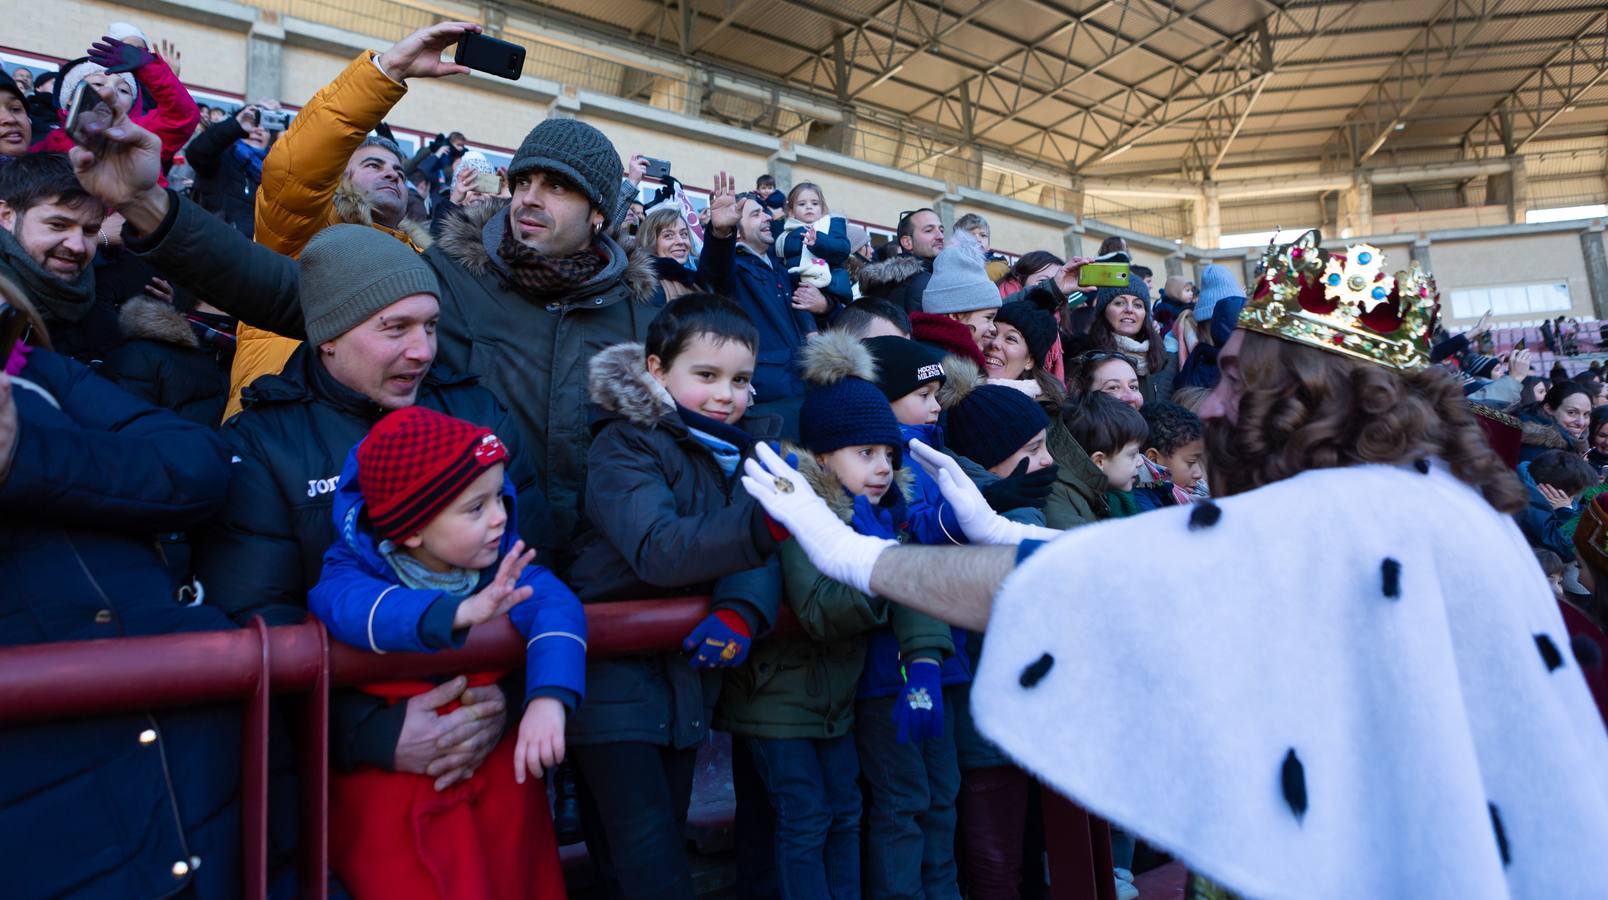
(963, 378)
(1548, 436)
(353, 208)
(461, 240)
(618, 381)
(832, 356)
(827, 486)
(142, 317)
(888, 273)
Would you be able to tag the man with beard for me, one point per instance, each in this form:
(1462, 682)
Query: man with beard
(1359, 686)
(903, 279)
(529, 289)
(49, 231)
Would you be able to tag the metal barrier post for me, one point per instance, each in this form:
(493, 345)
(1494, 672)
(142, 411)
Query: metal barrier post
(254, 775)
(1079, 848)
(314, 771)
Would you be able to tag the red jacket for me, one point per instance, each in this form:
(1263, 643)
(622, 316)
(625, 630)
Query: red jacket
(172, 120)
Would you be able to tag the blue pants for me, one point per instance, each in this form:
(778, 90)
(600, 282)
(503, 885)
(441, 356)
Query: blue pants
(910, 840)
(814, 789)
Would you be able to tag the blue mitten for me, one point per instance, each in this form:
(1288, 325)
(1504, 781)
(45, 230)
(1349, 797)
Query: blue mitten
(115, 56)
(918, 713)
(872, 521)
(720, 641)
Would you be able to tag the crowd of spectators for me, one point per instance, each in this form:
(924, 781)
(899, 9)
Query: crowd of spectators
(413, 393)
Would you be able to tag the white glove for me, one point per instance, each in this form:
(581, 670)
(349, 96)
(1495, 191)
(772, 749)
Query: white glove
(981, 524)
(840, 552)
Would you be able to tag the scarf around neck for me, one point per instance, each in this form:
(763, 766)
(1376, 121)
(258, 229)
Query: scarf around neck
(537, 275)
(1139, 350)
(726, 443)
(419, 577)
(63, 301)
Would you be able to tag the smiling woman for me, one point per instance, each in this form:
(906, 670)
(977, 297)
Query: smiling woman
(16, 129)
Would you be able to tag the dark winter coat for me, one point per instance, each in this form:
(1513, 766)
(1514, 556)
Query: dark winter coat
(901, 281)
(109, 806)
(806, 687)
(662, 520)
(1541, 433)
(265, 551)
(1078, 495)
(761, 286)
(532, 355)
(162, 362)
(222, 186)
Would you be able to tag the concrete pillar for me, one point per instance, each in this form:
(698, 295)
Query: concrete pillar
(1596, 255)
(566, 105)
(1519, 198)
(1421, 254)
(1253, 261)
(265, 58)
(780, 166)
(1355, 212)
(838, 137)
(1174, 265)
(1072, 240)
(1208, 215)
(944, 205)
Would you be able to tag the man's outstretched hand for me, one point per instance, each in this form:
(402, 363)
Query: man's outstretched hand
(419, 54)
(124, 174)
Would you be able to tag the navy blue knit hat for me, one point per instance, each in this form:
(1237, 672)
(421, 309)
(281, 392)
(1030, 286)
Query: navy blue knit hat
(987, 422)
(1136, 286)
(843, 407)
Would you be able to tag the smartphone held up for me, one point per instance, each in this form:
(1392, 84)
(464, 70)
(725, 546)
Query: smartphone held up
(490, 55)
(89, 117)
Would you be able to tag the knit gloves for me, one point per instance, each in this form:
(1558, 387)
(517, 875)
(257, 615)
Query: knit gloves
(116, 57)
(918, 712)
(1020, 489)
(835, 549)
(720, 641)
(981, 524)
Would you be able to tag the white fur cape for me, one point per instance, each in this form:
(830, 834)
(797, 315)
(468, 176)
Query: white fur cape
(1430, 724)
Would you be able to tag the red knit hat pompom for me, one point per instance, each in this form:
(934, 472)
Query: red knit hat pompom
(415, 461)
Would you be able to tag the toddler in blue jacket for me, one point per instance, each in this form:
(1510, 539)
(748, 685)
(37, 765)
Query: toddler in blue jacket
(424, 553)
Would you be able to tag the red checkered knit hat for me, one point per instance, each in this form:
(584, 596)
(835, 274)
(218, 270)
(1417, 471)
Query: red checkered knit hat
(414, 462)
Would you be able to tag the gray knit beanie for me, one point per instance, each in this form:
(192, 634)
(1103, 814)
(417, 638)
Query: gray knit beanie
(579, 153)
(351, 272)
(960, 280)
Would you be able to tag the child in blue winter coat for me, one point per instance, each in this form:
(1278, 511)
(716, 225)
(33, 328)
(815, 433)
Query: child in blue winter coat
(424, 553)
(810, 234)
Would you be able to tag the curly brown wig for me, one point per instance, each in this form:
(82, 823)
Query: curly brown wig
(1301, 408)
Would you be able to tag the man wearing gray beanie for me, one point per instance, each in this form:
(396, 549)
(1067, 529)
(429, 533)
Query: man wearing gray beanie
(960, 287)
(371, 306)
(529, 286)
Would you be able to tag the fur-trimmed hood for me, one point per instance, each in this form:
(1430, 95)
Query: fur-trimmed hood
(888, 273)
(827, 486)
(462, 240)
(352, 207)
(618, 382)
(962, 377)
(832, 356)
(143, 317)
(1548, 436)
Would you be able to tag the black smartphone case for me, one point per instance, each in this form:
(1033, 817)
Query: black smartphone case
(491, 55)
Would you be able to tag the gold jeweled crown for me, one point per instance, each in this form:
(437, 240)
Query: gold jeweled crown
(1344, 303)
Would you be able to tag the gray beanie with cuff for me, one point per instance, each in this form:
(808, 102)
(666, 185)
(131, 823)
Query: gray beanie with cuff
(960, 281)
(351, 272)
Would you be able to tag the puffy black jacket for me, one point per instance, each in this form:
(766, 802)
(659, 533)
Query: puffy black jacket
(266, 550)
(901, 281)
(222, 185)
(162, 362)
(133, 805)
(661, 520)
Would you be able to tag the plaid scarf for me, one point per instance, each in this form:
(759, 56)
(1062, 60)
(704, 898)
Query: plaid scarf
(215, 333)
(536, 275)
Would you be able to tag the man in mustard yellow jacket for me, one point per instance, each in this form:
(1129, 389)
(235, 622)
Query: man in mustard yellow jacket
(327, 169)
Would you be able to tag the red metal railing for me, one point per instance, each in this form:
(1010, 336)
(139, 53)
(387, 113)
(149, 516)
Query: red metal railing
(84, 679)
